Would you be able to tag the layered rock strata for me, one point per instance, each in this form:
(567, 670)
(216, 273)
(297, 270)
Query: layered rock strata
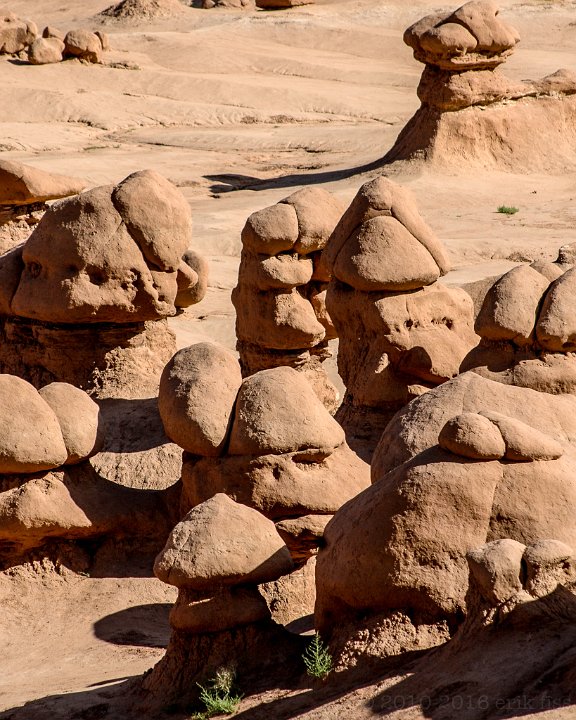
(281, 316)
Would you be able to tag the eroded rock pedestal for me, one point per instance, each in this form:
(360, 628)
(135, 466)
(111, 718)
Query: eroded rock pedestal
(267, 442)
(401, 332)
(473, 114)
(217, 556)
(281, 316)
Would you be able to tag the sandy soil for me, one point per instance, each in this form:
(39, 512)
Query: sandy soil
(239, 110)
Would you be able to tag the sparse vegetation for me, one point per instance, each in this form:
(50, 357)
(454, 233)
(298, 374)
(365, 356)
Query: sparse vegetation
(217, 695)
(507, 210)
(317, 658)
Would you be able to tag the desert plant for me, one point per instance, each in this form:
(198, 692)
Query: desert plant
(217, 695)
(317, 658)
(507, 210)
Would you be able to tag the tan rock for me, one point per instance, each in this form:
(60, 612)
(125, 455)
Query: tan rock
(157, 217)
(15, 34)
(383, 255)
(196, 399)
(214, 611)
(272, 230)
(496, 567)
(555, 329)
(474, 436)
(192, 279)
(222, 543)
(522, 441)
(52, 32)
(79, 419)
(44, 51)
(83, 44)
(22, 184)
(277, 412)
(511, 306)
(30, 434)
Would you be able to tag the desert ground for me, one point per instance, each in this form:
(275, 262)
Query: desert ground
(240, 109)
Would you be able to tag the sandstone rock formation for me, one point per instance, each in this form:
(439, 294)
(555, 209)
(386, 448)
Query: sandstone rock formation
(45, 51)
(449, 474)
(24, 191)
(470, 112)
(216, 557)
(106, 265)
(400, 331)
(266, 441)
(83, 44)
(281, 316)
(15, 34)
(142, 10)
(525, 327)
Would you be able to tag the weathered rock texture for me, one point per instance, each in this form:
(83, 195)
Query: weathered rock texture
(216, 557)
(142, 10)
(266, 441)
(281, 316)
(449, 474)
(400, 331)
(527, 334)
(15, 34)
(231, 4)
(106, 267)
(24, 191)
(473, 114)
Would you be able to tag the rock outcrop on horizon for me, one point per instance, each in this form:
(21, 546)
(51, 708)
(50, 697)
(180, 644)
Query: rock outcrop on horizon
(97, 279)
(471, 113)
(267, 442)
(281, 316)
(401, 332)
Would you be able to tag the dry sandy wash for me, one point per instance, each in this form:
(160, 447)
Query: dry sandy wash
(239, 109)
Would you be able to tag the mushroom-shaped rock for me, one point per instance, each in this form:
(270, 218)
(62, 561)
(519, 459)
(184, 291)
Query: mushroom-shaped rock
(522, 441)
(317, 213)
(30, 435)
(79, 418)
(271, 230)
(15, 34)
(511, 306)
(496, 567)
(473, 436)
(83, 44)
(196, 400)
(277, 412)
(45, 51)
(83, 265)
(222, 543)
(23, 185)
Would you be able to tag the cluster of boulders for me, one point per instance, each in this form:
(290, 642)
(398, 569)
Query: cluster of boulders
(111, 263)
(280, 298)
(21, 36)
(267, 442)
(401, 332)
(462, 51)
(527, 338)
(24, 193)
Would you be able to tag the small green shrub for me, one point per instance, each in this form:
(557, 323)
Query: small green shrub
(217, 695)
(317, 658)
(507, 210)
